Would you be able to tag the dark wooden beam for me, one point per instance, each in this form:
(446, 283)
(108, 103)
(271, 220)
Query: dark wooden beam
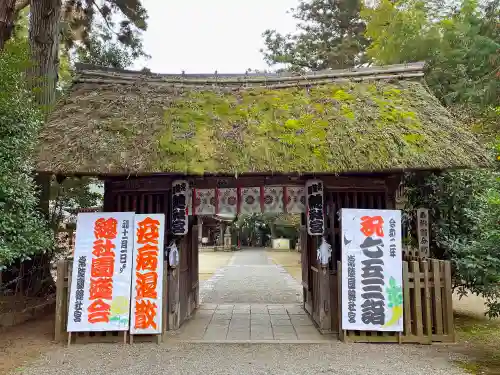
(163, 183)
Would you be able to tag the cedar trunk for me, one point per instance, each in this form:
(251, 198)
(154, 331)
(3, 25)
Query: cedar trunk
(44, 42)
(44, 39)
(7, 12)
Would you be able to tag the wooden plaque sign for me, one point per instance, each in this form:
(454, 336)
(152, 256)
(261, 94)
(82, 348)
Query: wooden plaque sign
(180, 207)
(314, 210)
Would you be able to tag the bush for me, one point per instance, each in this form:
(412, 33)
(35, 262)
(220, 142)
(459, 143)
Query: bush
(464, 208)
(23, 232)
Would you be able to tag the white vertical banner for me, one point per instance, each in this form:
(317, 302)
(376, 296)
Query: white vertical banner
(372, 276)
(147, 276)
(314, 208)
(102, 266)
(423, 231)
(180, 210)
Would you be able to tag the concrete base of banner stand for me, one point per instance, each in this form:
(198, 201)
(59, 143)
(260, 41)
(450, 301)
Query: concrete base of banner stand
(89, 338)
(146, 338)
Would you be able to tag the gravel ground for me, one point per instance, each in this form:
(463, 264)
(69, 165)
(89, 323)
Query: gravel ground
(251, 278)
(220, 359)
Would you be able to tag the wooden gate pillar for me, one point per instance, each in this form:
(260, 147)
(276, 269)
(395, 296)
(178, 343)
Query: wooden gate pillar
(325, 317)
(174, 305)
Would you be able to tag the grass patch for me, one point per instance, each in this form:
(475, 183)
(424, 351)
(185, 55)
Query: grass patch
(480, 342)
(210, 262)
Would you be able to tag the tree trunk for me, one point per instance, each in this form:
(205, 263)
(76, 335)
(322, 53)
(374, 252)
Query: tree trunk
(44, 36)
(44, 42)
(7, 12)
(41, 281)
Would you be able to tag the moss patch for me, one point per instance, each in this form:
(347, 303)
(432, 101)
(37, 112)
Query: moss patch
(328, 128)
(479, 339)
(322, 129)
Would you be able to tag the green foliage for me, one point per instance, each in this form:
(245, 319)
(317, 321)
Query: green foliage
(331, 35)
(84, 22)
(102, 49)
(70, 195)
(465, 216)
(259, 229)
(22, 230)
(460, 46)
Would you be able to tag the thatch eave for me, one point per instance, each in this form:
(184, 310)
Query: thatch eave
(367, 120)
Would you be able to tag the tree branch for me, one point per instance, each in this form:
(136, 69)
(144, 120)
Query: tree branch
(20, 5)
(104, 18)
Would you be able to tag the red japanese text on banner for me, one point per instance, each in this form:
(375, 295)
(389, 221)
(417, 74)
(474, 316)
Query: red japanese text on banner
(102, 266)
(372, 280)
(147, 276)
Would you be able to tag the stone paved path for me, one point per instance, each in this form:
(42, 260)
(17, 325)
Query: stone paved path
(251, 278)
(251, 299)
(250, 323)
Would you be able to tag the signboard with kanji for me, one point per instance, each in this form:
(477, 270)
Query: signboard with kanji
(423, 231)
(314, 208)
(372, 296)
(102, 272)
(180, 209)
(147, 277)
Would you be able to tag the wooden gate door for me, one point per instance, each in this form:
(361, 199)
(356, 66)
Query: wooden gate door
(184, 277)
(312, 276)
(304, 262)
(188, 274)
(195, 277)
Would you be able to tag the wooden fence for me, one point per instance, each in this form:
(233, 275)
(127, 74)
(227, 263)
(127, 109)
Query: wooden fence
(410, 254)
(427, 305)
(63, 285)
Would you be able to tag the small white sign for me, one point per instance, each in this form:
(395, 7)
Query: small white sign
(147, 277)
(372, 280)
(100, 284)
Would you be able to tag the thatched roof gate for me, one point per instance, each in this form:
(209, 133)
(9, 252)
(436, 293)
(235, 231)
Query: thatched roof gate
(364, 120)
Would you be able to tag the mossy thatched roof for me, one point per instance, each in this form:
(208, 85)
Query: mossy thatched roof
(375, 119)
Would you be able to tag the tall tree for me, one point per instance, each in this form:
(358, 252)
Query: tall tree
(74, 21)
(115, 47)
(7, 8)
(330, 35)
(9, 11)
(46, 29)
(460, 45)
(44, 37)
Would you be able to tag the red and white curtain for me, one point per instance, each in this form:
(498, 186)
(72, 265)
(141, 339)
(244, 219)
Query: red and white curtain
(204, 202)
(273, 199)
(250, 200)
(227, 201)
(295, 199)
(247, 200)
